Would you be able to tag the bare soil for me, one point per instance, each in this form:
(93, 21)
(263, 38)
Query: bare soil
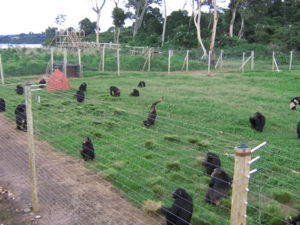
(69, 194)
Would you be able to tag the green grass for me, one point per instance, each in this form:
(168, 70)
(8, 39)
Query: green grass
(199, 114)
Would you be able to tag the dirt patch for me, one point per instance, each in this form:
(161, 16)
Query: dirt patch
(69, 194)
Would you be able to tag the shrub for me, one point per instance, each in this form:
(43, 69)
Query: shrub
(173, 165)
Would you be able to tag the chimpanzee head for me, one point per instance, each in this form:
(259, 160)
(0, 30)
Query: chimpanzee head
(179, 193)
(86, 140)
(293, 106)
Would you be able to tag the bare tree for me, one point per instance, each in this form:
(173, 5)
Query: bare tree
(165, 23)
(214, 30)
(234, 6)
(98, 10)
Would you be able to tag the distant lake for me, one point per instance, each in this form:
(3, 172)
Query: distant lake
(5, 46)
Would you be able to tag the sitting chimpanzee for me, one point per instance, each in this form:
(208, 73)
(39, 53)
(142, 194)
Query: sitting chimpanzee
(293, 220)
(257, 121)
(114, 91)
(142, 84)
(2, 105)
(152, 114)
(87, 151)
(181, 210)
(211, 162)
(295, 101)
(42, 81)
(21, 119)
(19, 90)
(135, 93)
(83, 87)
(80, 96)
(298, 129)
(219, 186)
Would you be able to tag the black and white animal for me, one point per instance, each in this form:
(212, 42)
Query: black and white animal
(21, 119)
(114, 91)
(257, 121)
(42, 81)
(211, 162)
(180, 213)
(298, 129)
(19, 90)
(294, 101)
(2, 105)
(293, 220)
(83, 87)
(87, 152)
(152, 114)
(79, 96)
(219, 186)
(142, 84)
(135, 93)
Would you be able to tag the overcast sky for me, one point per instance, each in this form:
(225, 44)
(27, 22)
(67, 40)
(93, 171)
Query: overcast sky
(24, 16)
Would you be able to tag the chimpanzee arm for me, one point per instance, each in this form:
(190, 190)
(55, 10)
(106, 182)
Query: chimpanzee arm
(171, 213)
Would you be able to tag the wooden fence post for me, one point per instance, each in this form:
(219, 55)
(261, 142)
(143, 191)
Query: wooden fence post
(51, 61)
(240, 185)
(118, 59)
(221, 64)
(149, 59)
(291, 60)
(103, 57)
(187, 60)
(79, 62)
(273, 57)
(169, 61)
(252, 60)
(31, 150)
(1, 71)
(208, 68)
(243, 66)
(65, 61)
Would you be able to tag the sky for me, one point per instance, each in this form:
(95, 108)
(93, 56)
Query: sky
(24, 16)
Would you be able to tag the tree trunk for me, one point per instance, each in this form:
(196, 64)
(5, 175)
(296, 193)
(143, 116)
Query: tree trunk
(98, 9)
(164, 26)
(139, 17)
(118, 34)
(233, 14)
(241, 32)
(214, 31)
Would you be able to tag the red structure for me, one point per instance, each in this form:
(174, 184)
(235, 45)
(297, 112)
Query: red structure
(58, 81)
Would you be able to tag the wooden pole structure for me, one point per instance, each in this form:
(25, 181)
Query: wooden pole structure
(240, 185)
(291, 60)
(187, 60)
(252, 60)
(221, 65)
(65, 61)
(118, 59)
(1, 71)
(149, 59)
(208, 66)
(31, 149)
(103, 57)
(273, 57)
(51, 60)
(169, 61)
(79, 62)
(243, 66)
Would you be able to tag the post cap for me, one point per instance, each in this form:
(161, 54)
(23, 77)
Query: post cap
(27, 83)
(242, 145)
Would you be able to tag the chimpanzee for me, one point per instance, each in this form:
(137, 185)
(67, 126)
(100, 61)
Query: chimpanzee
(219, 186)
(135, 93)
(257, 121)
(298, 129)
(211, 162)
(19, 90)
(21, 119)
(87, 151)
(2, 105)
(83, 87)
(152, 114)
(80, 96)
(294, 102)
(293, 220)
(181, 210)
(142, 84)
(114, 91)
(42, 81)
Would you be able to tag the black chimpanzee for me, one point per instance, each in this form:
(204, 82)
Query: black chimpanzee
(21, 119)
(294, 101)
(135, 93)
(152, 114)
(211, 162)
(142, 84)
(219, 186)
(2, 105)
(87, 151)
(19, 90)
(257, 121)
(83, 87)
(42, 81)
(298, 129)
(114, 91)
(80, 96)
(293, 220)
(181, 210)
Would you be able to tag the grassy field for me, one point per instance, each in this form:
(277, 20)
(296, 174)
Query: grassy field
(199, 113)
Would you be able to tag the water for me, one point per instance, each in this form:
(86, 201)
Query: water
(5, 46)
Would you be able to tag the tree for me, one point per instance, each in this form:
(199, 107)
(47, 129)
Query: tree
(50, 35)
(98, 10)
(214, 30)
(164, 26)
(87, 26)
(119, 17)
(234, 4)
